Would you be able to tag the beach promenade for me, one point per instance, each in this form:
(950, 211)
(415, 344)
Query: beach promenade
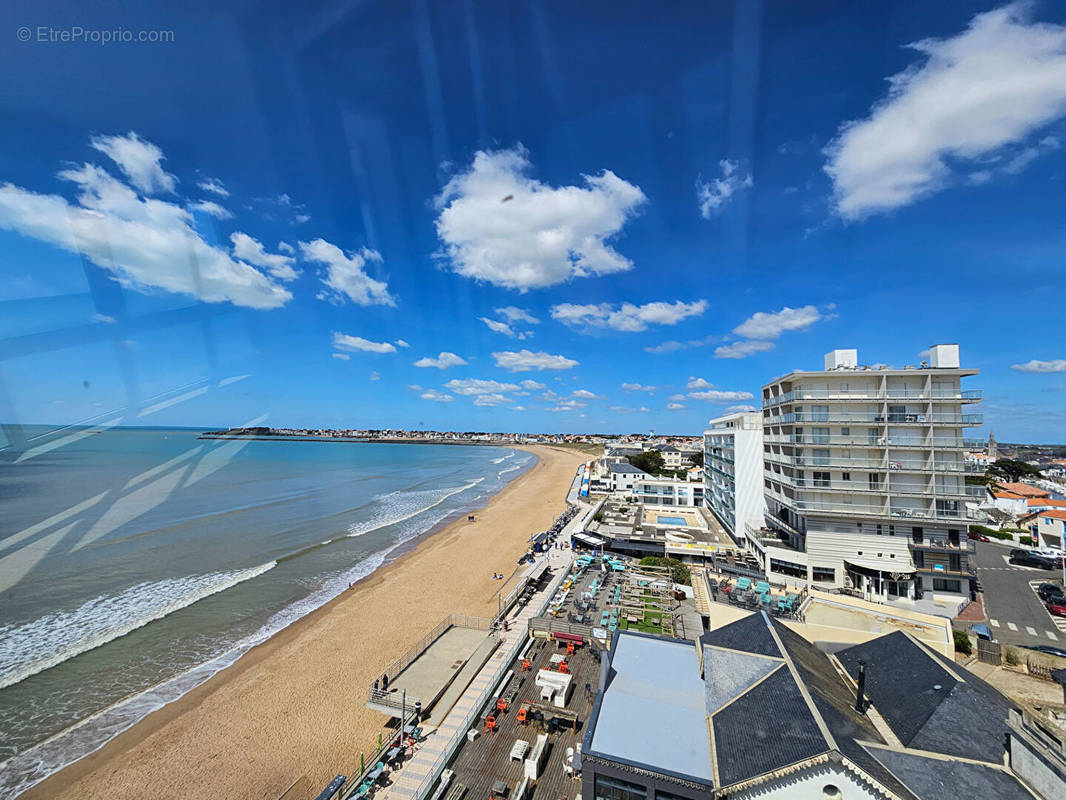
(288, 709)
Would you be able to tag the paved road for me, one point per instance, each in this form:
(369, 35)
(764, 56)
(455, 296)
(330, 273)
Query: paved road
(1015, 613)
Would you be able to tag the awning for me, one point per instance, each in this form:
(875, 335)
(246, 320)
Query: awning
(885, 567)
(594, 541)
(536, 570)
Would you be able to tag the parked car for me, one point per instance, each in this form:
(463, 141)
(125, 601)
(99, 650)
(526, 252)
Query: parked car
(977, 537)
(1048, 590)
(1056, 606)
(982, 632)
(1046, 649)
(1027, 558)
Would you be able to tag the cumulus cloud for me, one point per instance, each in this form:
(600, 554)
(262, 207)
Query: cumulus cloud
(627, 317)
(698, 383)
(342, 341)
(445, 360)
(402, 343)
(214, 186)
(139, 160)
(496, 326)
(437, 397)
(345, 276)
(717, 194)
(637, 387)
(675, 406)
(496, 224)
(342, 356)
(770, 325)
(374, 376)
(532, 386)
(1040, 367)
(526, 360)
(490, 400)
(716, 396)
(474, 386)
(515, 314)
(742, 349)
(584, 394)
(212, 208)
(568, 405)
(143, 242)
(248, 249)
(677, 398)
(673, 346)
(966, 99)
(742, 407)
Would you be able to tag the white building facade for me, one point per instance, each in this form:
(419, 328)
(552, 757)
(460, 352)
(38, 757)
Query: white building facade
(864, 476)
(733, 471)
(667, 492)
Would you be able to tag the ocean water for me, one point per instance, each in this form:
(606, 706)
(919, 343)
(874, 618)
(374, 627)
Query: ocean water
(136, 563)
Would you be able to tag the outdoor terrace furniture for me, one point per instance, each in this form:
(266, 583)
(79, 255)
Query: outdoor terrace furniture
(499, 789)
(518, 750)
(743, 584)
(762, 587)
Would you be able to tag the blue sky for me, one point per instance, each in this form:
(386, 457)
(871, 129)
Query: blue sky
(526, 216)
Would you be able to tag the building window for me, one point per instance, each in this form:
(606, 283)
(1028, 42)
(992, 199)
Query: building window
(821, 479)
(945, 585)
(823, 574)
(917, 535)
(845, 476)
(618, 789)
(667, 796)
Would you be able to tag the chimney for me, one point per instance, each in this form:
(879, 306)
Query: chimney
(605, 668)
(860, 694)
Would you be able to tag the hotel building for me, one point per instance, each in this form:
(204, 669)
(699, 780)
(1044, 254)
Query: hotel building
(733, 471)
(865, 477)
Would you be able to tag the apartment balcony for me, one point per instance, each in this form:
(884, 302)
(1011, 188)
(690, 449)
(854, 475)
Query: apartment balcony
(966, 396)
(880, 442)
(854, 417)
(882, 510)
(964, 545)
(775, 520)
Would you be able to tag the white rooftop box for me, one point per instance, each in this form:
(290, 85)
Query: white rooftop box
(842, 359)
(944, 356)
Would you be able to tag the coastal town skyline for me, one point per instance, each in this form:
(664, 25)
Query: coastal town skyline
(431, 254)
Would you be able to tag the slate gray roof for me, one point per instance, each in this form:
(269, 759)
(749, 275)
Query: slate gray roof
(623, 467)
(749, 635)
(927, 701)
(938, 778)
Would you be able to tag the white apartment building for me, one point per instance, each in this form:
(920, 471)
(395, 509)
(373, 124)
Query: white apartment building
(733, 471)
(864, 477)
(666, 492)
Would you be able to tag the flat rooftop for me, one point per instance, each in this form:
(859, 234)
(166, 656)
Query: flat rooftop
(653, 712)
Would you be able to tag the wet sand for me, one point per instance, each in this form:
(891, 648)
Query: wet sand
(294, 707)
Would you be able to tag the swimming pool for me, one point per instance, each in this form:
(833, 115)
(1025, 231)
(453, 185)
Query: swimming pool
(671, 520)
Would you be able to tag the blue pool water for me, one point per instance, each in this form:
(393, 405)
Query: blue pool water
(672, 521)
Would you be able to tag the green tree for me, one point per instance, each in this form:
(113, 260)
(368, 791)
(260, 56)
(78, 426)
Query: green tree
(651, 461)
(696, 458)
(1006, 469)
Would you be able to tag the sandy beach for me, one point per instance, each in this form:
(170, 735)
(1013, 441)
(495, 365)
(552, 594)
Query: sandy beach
(294, 706)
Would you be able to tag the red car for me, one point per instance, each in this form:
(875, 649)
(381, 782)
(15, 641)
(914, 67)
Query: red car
(1057, 607)
(977, 537)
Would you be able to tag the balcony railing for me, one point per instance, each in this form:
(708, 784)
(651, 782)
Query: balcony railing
(943, 545)
(966, 396)
(868, 442)
(873, 417)
(879, 510)
(880, 464)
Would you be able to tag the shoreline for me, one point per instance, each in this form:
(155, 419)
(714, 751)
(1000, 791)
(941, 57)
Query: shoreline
(154, 750)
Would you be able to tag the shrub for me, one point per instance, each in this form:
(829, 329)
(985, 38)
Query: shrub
(679, 573)
(1027, 540)
(597, 517)
(962, 643)
(1010, 657)
(991, 532)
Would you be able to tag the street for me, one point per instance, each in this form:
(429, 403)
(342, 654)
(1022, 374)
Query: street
(1015, 613)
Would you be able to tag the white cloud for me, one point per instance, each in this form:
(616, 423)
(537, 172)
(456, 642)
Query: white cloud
(716, 396)
(532, 386)
(139, 161)
(342, 356)
(675, 406)
(414, 387)
(285, 247)
(672, 346)
(300, 219)
(345, 276)
(402, 343)
(212, 208)
(490, 400)
(698, 383)
(445, 360)
(584, 394)
(676, 398)
(142, 242)
(743, 407)
(472, 386)
(1057, 365)
(498, 225)
(248, 249)
(637, 387)
(343, 341)
(717, 194)
(526, 360)
(568, 405)
(518, 408)
(969, 96)
(498, 327)
(374, 376)
(104, 318)
(437, 397)
(214, 186)
(627, 317)
(770, 325)
(742, 349)
(515, 314)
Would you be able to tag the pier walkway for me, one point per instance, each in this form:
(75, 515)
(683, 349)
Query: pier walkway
(418, 774)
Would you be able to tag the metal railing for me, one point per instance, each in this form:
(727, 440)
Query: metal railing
(452, 620)
(557, 626)
(966, 396)
(873, 417)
